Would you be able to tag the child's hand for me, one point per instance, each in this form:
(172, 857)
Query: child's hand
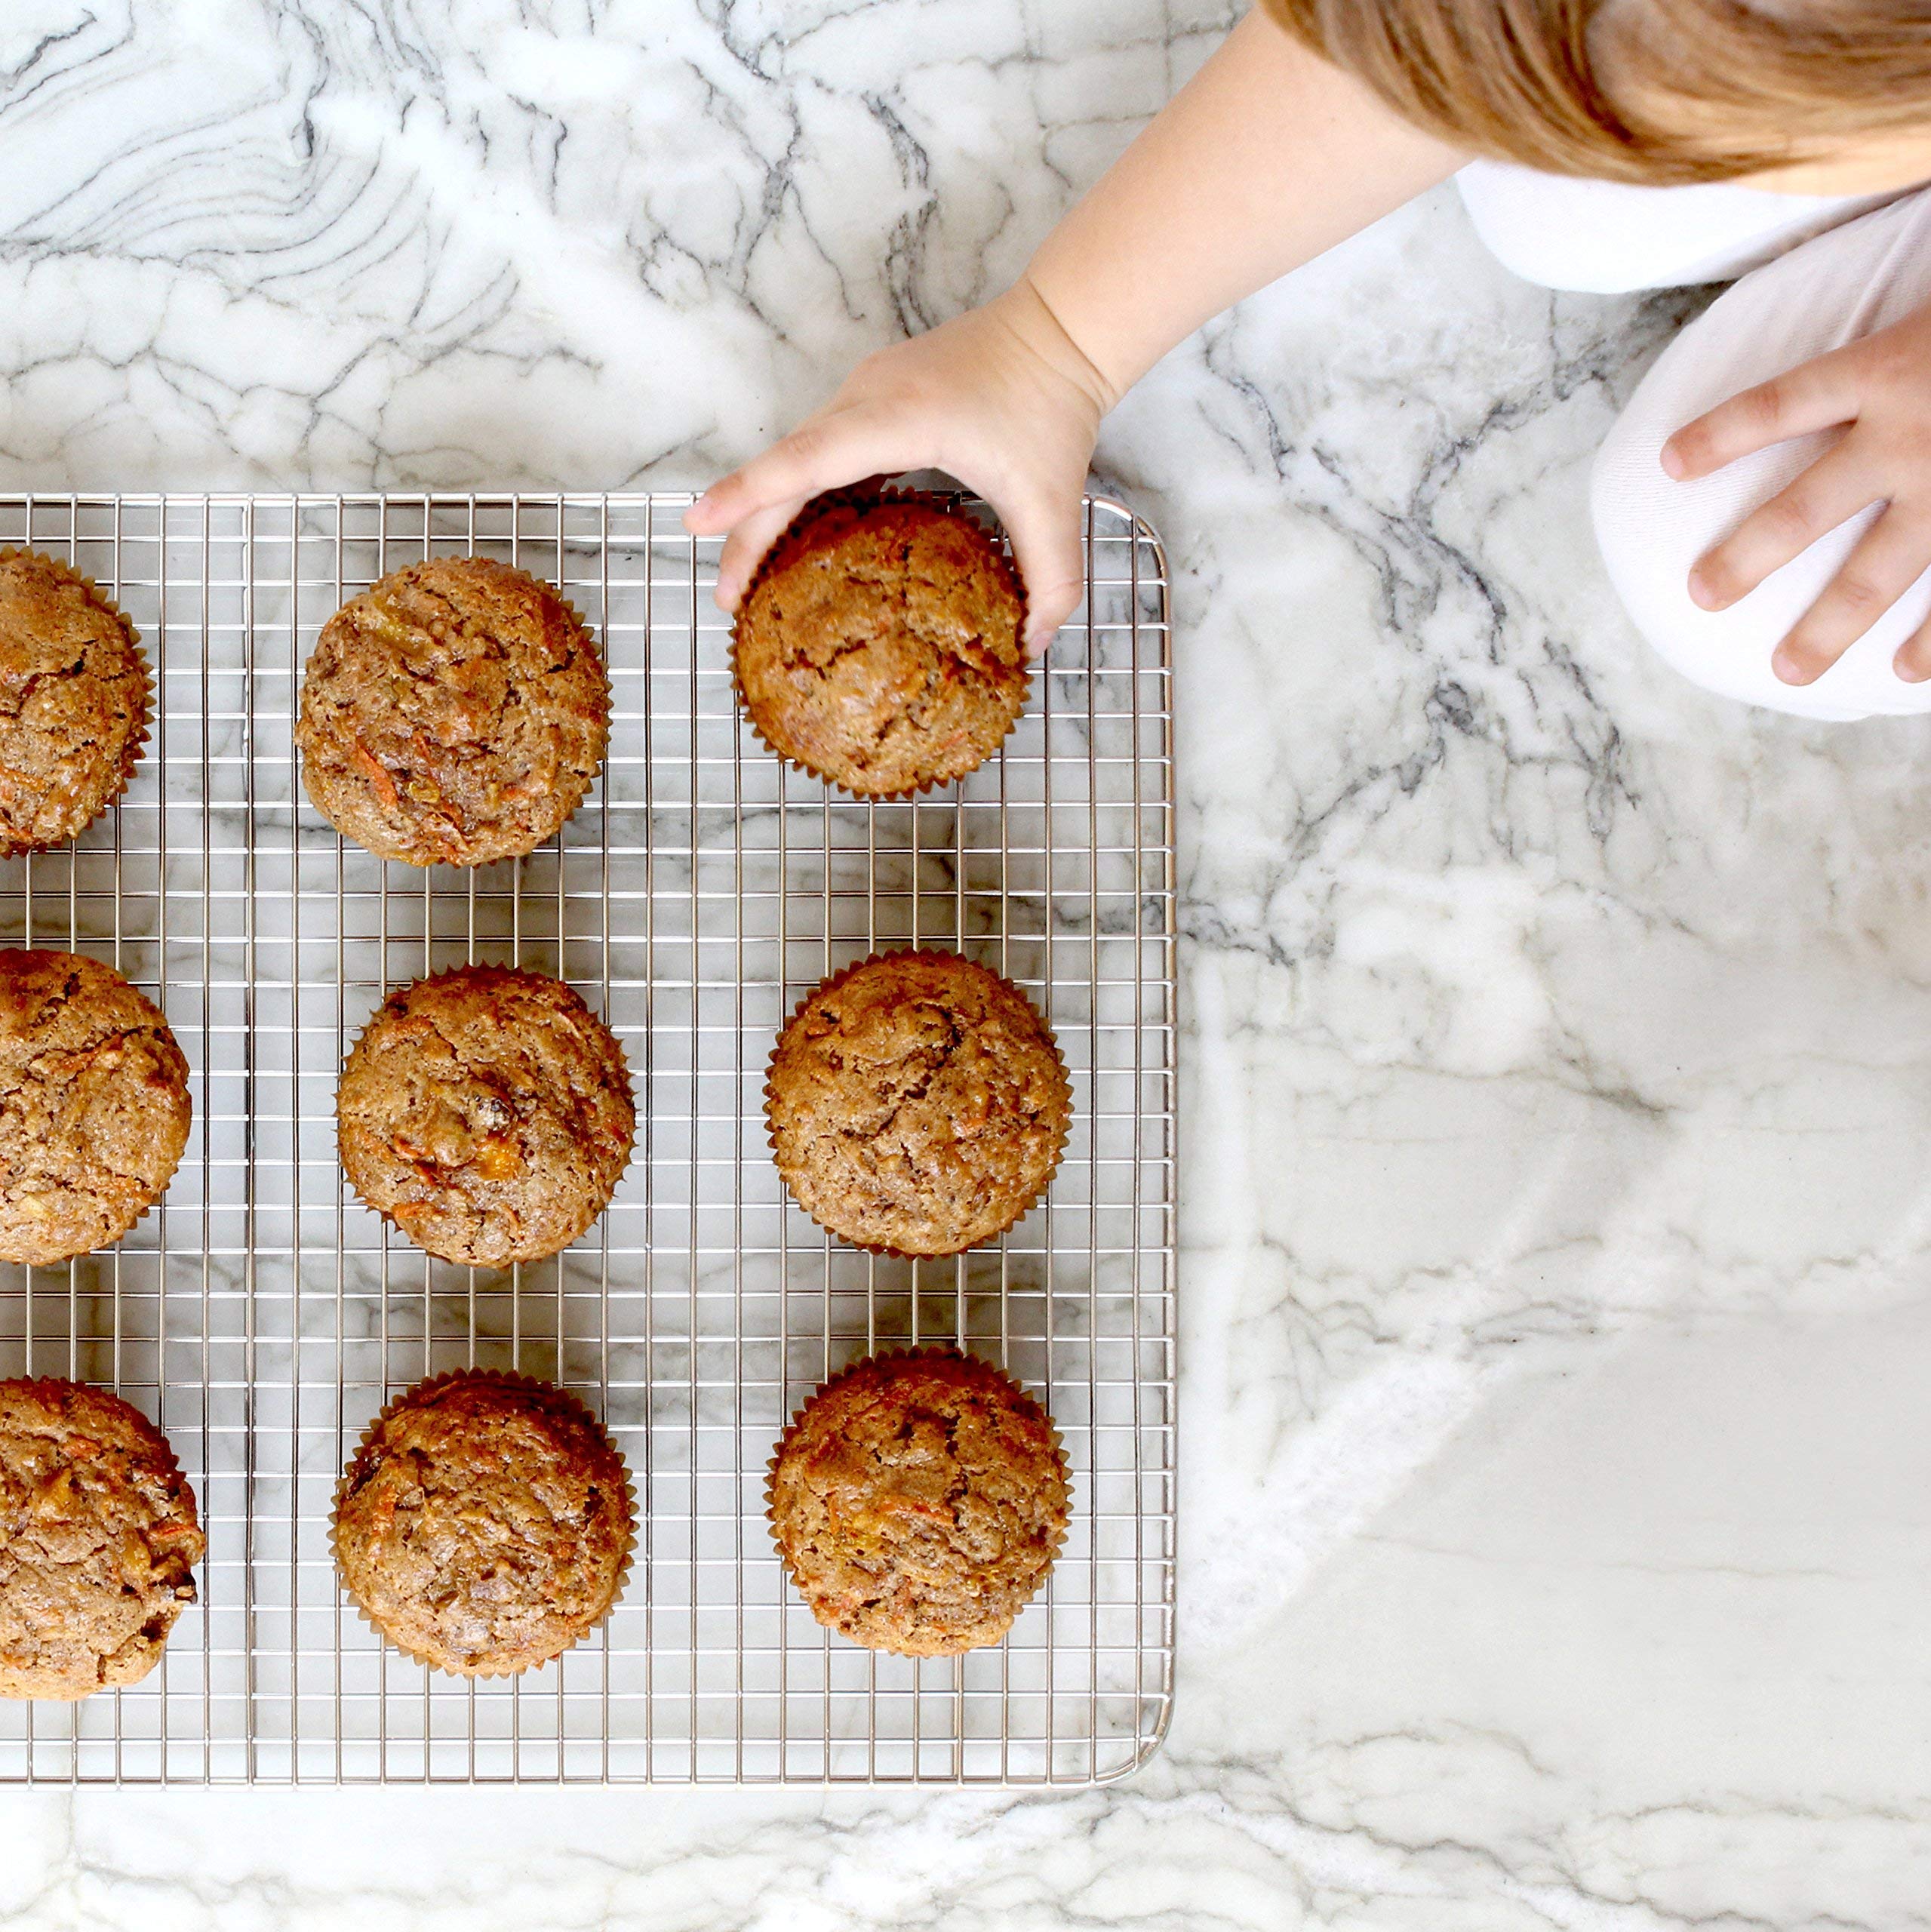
(1880, 385)
(1001, 398)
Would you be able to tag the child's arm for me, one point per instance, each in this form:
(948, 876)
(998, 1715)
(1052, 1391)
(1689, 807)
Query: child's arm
(1266, 158)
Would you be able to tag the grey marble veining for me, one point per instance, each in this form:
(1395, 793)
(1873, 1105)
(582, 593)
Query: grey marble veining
(1554, 1539)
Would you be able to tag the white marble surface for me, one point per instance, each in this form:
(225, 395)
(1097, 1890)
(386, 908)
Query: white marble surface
(1556, 1549)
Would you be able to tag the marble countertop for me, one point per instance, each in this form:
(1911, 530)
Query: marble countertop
(1553, 1545)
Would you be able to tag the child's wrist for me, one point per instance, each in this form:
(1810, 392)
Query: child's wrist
(1030, 312)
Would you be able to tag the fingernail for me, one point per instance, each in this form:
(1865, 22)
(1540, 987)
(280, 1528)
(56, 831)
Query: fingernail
(1910, 673)
(1789, 668)
(1702, 592)
(1672, 463)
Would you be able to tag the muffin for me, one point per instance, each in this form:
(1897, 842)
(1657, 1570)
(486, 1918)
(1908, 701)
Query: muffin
(916, 1104)
(484, 1524)
(455, 713)
(487, 1111)
(93, 1105)
(879, 645)
(917, 1501)
(99, 1540)
(75, 696)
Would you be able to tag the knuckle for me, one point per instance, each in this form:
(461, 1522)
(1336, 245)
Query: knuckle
(1767, 402)
(1858, 596)
(1789, 517)
(1052, 603)
(1053, 592)
(804, 446)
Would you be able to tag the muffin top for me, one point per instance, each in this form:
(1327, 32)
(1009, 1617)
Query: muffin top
(916, 1104)
(98, 1540)
(93, 1105)
(74, 701)
(879, 646)
(485, 1523)
(918, 1501)
(487, 1111)
(455, 713)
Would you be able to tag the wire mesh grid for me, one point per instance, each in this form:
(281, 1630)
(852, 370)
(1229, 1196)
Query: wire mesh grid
(262, 1316)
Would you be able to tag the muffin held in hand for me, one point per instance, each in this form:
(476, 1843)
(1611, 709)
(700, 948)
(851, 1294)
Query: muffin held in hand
(488, 1113)
(484, 1524)
(93, 1105)
(918, 1501)
(918, 1104)
(879, 645)
(98, 1540)
(75, 697)
(455, 713)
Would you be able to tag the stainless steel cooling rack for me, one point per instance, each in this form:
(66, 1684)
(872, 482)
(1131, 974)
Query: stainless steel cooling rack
(262, 1316)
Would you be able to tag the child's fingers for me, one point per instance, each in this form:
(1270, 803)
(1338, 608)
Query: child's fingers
(1814, 395)
(1888, 558)
(1046, 548)
(1913, 661)
(744, 549)
(820, 454)
(1835, 488)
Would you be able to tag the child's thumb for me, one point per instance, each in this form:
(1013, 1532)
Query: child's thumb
(1046, 546)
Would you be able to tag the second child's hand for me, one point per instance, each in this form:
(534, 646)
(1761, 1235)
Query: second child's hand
(1001, 398)
(1878, 389)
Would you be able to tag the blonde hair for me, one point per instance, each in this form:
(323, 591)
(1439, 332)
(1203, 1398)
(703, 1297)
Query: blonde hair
(1658, 91)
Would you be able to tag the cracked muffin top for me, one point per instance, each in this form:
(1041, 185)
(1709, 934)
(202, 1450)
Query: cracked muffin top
(916, 1104)
(484, 1524)
(454, 713)
(879, 645)
(98, 1540)
(75, 696)
(488, 1113)
(93, 1105)
(918, 1501)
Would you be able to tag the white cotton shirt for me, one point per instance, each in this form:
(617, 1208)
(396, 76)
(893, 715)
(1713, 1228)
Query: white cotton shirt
(1607, 238)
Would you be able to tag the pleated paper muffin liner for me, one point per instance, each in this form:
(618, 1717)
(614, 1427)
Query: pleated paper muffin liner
(131, 754)
(147, 1207)
(510, 1379)
(596, 650)
(885, 1358)
(589, 637)
(188, 1097)
(395, 998)
(790, 543)
(830, 985)
(584, 630)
